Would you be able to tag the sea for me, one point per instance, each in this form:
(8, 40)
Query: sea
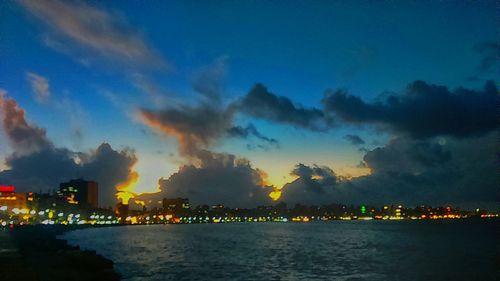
(336, 250)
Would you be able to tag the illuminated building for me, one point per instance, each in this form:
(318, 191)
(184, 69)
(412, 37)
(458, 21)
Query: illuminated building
(12, 200)
(177, 206)
(80, 192)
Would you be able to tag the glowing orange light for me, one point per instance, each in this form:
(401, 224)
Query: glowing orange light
(125, 190)
(140, 202)
(71, 199)
(133, 220)
(124, 196)
(275, 194)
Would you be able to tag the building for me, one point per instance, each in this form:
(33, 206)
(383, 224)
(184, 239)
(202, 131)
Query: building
(177, 206)
(121, 211)
(81, 192)
(11, 200)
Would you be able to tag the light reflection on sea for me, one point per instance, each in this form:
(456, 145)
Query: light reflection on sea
(356, 250)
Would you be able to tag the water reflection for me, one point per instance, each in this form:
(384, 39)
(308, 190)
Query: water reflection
(459, 250)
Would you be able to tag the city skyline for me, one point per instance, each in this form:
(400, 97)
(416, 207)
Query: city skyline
(244, 104)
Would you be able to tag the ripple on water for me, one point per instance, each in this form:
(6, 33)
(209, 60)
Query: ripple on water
(374, 250)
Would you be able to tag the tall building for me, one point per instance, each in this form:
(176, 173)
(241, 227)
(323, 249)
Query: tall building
(81, 192)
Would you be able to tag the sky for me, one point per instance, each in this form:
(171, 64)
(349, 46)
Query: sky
(324, 101)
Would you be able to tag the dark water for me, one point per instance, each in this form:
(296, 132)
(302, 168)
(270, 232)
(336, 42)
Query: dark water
(356, 250)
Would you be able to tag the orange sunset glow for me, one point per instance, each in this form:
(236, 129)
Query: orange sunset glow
(125, 190)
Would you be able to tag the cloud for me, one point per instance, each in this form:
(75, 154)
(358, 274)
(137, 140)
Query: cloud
(251, 147)
(197, 127)
(101, 39)
(154, 91)
(108, 167)
(94, 29)
(217, 178)
(74, 111)
(71, 108)
(45, 169)
(194, 127)
(313, 186)
(261, 103)
(409, 171)
(76, 116)
(37, 165)
(250, 130)
(354, 139)
(208, 81)
(40, 86)
(424, 110)
(24, 137)
(489, 52)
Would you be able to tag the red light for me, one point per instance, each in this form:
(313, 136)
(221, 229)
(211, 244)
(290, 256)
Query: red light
(7, 188)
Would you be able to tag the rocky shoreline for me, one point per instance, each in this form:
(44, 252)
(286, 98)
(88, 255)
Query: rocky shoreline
(37, 254)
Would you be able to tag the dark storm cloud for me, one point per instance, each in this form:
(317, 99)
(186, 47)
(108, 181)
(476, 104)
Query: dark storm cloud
(313, 185)
(250, 130)
(108, 167)
(413, 171)
(261, 103)
(37, 165)
(218, 178)
(407, 155)
(424, 110)
(198, 127)
(315, 177)
(409, 171)
(354, 139)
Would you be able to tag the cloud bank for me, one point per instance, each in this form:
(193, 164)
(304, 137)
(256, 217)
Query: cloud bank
(424, 110)
(411, 172)
(261, 103)
(38, 165)
(216, 178)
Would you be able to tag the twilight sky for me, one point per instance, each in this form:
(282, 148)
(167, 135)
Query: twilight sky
(349, 102)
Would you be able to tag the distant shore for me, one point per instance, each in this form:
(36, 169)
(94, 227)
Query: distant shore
(33, 252)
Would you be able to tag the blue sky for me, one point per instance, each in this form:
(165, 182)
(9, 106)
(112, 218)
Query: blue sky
(297, 50)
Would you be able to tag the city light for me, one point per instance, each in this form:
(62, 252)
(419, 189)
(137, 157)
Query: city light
(56, 209)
